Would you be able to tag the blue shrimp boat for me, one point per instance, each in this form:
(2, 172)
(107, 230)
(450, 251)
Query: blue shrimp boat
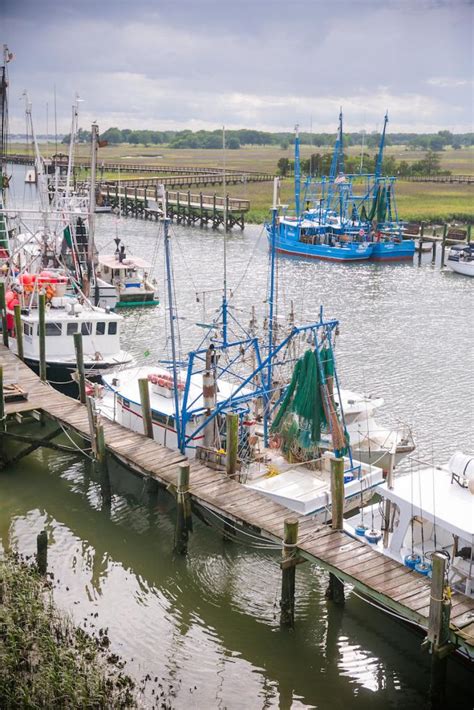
(348, 217)
(318, 232)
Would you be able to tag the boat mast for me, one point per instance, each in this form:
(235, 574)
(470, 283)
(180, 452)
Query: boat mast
(224, 299)
(378, 165)
(297, 172)
(90, 240)
(169, 280)
(271, 297)
(72, 142)
(4, 180)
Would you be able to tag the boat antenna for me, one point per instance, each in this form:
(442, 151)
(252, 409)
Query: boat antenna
(297, 172)
(224, 299)
(72, 142)
(55, 124)
(169, 279)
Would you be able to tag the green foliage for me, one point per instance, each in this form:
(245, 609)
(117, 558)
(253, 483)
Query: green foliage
(44, 661)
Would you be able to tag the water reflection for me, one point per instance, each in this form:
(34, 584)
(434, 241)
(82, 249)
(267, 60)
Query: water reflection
(205, 626)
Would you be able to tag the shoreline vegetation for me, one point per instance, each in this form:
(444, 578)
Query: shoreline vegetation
(432, 202)
(46, 661)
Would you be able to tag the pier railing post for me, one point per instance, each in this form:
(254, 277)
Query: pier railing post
(143, 386)
(42, 336)
(183, 511)
(232, 442)
(42, 552)
(335, 589)
(80, 367)
(3, 309)
(438, 630)
(18, 331)
(288, 565)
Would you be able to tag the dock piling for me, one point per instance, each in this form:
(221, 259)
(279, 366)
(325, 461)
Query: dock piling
(80, 366)
(183, 511)
(443, 243)
(42, 552)
(288, 565)
(3, 309)
(232, 435)
(42, 336)
(2, 396)
(19, 332)
(335, 588)
(438, 630)
(143, 386)
(420, 242)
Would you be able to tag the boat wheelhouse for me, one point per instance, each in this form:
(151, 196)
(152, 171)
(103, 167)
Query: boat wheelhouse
(124, 281)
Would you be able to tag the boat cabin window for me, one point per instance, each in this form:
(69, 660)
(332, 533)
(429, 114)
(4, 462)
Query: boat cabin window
(53, 328)
(27, 329)
(72, 328)
(100, 328)
(113, 328)
(165, 419)
(106, 269)
(86, 328)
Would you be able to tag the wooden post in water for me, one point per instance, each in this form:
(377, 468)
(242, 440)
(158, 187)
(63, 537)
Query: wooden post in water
(101, 460)
(443, 244)
(232, 442)
(335, 589)
(80, 367)
(18, 331)
(42, 552)
(288, 565)
(420, 242)
(143, 386)
(433, 253)
(184, 524)
(468, 236)
(438, 631)
(2, 397)
(3, 309)
(42, 336)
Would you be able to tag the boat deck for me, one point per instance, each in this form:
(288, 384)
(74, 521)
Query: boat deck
(382, 580)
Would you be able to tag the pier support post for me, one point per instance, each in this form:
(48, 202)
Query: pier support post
(42, 552)
(433, 253)
(335, 589)
(2, 397)
(468, 236)
(443, 243)
(143, 386)
(3, 310)
(288, 565)
(42, 336)
(101, 454)
(19, 331)
(438, 631)
(232, 442)
(80, 367)
(184, 523)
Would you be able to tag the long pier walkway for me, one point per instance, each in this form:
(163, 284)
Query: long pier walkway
(381, 580)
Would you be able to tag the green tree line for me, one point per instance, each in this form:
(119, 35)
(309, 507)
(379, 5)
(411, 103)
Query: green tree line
(236, 139)
(319, 164)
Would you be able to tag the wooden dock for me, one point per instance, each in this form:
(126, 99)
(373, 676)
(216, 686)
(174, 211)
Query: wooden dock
(383, 581)
(184, 207)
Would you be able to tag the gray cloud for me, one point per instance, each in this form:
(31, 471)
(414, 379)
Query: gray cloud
(264, 63)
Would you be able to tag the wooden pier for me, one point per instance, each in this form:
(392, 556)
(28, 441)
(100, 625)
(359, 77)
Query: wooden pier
(383, 581)
(184, 207)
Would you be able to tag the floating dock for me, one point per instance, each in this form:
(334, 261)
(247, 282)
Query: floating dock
(379, 579)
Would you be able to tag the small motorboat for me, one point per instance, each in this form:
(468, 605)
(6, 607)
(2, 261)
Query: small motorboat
(461, 259)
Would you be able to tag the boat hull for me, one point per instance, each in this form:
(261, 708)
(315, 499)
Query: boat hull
(459, 267)
(393, 251)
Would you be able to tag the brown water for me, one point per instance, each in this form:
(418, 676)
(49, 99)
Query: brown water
(207, 626)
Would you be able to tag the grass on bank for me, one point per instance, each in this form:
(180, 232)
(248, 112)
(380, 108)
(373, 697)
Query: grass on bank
(44, 660)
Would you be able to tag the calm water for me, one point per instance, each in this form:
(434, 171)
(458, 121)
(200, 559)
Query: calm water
(206, 627)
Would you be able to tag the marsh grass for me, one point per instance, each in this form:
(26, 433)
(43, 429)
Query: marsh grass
(46, 662)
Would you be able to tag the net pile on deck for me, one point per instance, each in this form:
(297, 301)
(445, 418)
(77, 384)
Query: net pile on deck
(308, 407)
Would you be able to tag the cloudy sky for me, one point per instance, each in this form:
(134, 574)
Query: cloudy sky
(266, 64)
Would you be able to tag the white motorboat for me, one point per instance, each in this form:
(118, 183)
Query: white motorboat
(430, 509)
(461, 259)
(371, 442)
